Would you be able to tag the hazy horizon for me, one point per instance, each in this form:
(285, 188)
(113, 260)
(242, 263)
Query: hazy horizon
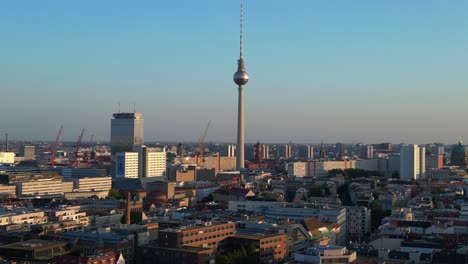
(327, 71)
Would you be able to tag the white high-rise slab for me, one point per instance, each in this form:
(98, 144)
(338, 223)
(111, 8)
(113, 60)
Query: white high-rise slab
(412, 165)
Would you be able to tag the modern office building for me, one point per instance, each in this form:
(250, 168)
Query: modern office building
(7, 157)
(92, 184)
(47, 187)
(126, 132)
(28, 152)
(413, 162)
(73, 173)
(126, 165)
(152, 162)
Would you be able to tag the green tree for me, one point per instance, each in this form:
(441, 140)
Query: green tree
(396, 175)
(377, 214)
(315, 190)
(335, 172)
(114, 194)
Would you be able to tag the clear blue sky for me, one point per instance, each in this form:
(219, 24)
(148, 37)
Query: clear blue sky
(351, 71)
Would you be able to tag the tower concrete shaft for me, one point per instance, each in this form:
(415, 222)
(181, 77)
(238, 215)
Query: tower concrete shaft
(240, 129)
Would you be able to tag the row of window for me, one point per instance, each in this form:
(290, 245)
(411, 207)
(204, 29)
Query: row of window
(208, 238)
(271, 241)
(207, 231)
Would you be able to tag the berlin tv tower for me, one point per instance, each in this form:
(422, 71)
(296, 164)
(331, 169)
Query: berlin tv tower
(240, 78)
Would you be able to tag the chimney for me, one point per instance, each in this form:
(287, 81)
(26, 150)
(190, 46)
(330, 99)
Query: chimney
(128, 212)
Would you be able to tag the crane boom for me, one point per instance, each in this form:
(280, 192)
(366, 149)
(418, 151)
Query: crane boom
(52, 148)
(200, 143)
(77, 147)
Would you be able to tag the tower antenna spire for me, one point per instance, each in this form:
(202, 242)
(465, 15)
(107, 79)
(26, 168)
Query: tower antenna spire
(241, 55)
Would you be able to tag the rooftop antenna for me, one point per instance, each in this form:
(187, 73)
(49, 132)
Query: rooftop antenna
(241, 33)
(119, 107)
(134, 107)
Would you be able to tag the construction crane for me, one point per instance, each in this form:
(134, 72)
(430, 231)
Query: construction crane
(88, 153)
(77, 147)
(52, 148)
(200, 145)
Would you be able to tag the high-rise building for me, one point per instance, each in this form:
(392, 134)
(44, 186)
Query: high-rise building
(231, 151)
(340, 150)
(180, 150)
(266, 151)
(287, 151)
(459, 156)
(310, 152)
(422, 162)
(126, 132)
(323, 153)
(258, 156)
(151, 162)
(367, 152)
(240, 78)
(412, 162)
(28, 152)
(126, 165)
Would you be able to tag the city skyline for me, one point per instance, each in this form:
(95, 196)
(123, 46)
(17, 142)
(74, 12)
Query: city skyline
(362, 72)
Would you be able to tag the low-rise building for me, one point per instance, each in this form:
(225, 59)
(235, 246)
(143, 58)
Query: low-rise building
(34, 251)
(92, 184)
(326, 254)
(268, 248)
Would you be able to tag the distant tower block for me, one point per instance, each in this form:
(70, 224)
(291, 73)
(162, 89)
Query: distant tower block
(259, 153)
(240, 78)
(310, 152)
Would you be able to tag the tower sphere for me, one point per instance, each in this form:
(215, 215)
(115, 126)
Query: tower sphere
(241, 77)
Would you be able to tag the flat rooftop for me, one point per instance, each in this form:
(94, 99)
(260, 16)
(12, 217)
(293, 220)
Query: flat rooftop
(34, 244)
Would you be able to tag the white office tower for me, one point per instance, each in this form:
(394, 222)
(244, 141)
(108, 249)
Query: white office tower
(287, 151)
(126, 165)
(310, 152)
(367, 152)
(412, 164)
(266, 151)
(422, 162)
(152, 162)
(231, 151)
